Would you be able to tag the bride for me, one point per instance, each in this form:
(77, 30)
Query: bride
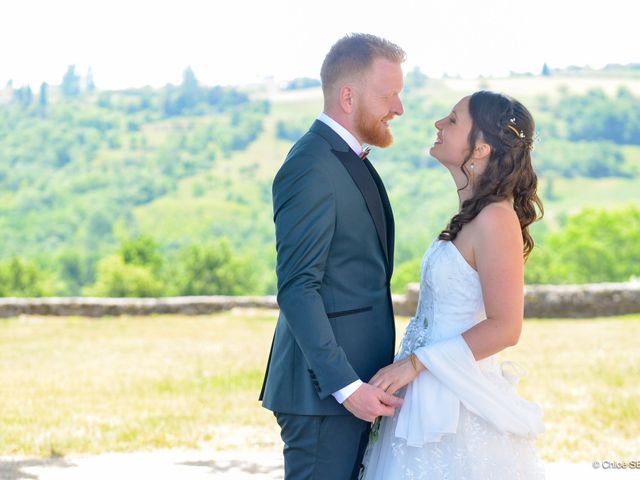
(462, 417)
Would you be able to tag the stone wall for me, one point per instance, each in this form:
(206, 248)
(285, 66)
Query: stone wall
(541, 301)
(100, 307)
(559, 301)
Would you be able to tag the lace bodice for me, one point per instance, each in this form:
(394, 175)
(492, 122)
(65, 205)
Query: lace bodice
(450, 299)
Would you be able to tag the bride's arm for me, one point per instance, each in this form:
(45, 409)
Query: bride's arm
(497, 245)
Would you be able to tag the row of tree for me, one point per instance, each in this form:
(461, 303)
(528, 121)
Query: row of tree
(188, 98)
(137, 269)
(593, 246)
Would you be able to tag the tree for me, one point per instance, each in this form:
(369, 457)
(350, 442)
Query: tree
(593, 246)
(415, 79)
(115, 278)
(71, 82)
(212, 270)
(302, 83)
(595, 116)
(44, 87)
(21, 278)
(404, 274)
(76, 270)
(91, 86)
(187, 96)
(23, 96)
(142, 251)
(288, 132)
(189, 86)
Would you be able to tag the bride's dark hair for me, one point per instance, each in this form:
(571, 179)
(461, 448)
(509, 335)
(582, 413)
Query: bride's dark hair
(508, 127)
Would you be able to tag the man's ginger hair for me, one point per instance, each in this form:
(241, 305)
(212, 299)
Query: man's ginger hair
(352, 55)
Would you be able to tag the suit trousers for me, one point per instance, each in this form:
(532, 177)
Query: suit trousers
(322, 447)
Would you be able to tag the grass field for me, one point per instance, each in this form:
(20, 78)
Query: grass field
(75, 385)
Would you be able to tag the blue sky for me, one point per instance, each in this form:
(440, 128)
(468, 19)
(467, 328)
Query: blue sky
(139, 42)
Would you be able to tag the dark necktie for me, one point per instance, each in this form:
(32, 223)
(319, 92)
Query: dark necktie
(365, 152)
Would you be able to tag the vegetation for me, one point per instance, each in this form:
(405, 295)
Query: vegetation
(186, 170)
(593, 246)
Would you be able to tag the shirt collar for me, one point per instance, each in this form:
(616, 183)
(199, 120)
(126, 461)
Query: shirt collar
(345, 134)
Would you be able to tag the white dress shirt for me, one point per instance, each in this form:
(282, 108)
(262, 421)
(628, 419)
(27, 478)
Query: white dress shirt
(344, 393)
(345, 134)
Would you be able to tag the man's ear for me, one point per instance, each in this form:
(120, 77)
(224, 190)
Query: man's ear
(346, 97)
(481, 150)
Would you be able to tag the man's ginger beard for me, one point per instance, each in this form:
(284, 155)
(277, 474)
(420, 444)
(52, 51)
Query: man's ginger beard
(370, 129)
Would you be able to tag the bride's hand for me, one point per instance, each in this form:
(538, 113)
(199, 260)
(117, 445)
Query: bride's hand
(395, 376)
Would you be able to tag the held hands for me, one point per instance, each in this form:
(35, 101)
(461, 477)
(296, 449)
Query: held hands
(369, 402)
(395, 376)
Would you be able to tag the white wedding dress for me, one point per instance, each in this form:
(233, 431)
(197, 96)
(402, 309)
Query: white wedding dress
(461, 419)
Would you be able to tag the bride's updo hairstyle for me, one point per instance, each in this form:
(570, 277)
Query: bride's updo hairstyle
(508, 127)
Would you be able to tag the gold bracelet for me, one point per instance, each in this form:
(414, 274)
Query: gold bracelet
(412, 359)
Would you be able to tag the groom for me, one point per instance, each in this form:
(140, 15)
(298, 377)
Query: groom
(334, 241)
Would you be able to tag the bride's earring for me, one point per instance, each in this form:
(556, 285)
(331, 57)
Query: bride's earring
(473, 173)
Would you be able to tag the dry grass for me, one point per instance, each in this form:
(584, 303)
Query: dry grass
(74, 385)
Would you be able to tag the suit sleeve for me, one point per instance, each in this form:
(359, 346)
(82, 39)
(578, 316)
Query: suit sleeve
(305, 215)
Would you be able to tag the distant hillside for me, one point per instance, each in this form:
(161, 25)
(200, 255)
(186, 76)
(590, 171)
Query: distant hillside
(192, 165)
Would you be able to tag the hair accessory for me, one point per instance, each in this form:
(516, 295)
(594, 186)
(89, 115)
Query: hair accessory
(515, 130)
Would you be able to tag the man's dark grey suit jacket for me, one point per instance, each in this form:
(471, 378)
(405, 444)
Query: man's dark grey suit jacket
(334, 241)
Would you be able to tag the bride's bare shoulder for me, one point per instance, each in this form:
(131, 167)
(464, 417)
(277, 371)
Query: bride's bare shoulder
(498, 218)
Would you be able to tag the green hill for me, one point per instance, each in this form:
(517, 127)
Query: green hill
(191, 165)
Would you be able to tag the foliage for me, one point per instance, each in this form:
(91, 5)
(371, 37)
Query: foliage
(414, 79)
(404, 274)
(302, 83)
(595, 116)
(212, 269)
(23, 278)
(23, 96)
(142, 251)
(594, 246)
(140, 269)
(186, 166)
(116, 278)
(583, 159)
(291, 133)
(74, 270)
(71, 82)
(74, 167)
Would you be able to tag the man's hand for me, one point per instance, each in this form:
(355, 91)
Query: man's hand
(369, 402)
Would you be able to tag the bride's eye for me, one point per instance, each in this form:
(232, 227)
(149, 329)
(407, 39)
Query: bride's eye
(452, 120)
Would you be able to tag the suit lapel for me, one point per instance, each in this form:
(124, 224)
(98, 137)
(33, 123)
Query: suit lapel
(388, 213)
(367, 186)
(370, 185)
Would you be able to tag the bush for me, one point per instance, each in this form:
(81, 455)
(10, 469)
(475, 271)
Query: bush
(115, 278)
(21, 278)
(212, 270)
(404, 274)
(593, 246)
